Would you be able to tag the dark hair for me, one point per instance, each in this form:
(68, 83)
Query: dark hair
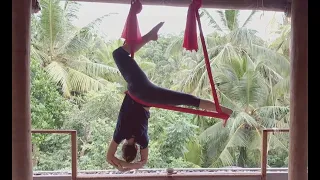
(129, 152)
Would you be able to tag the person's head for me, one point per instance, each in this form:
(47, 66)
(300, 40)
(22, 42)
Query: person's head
(129, 151)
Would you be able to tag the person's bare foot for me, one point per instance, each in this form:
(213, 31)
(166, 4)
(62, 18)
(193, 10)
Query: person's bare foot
(210, 106)
(226, 110)
(207, 105)
(153, 34)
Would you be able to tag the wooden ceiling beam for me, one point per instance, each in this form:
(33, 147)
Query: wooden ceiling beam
(267, 5)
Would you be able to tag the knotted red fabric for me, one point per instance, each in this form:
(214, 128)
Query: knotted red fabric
(131, 32)
(190, 35)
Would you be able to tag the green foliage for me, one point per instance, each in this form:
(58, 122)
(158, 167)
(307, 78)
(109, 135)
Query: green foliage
(61, 48)
(278, 158)
(175, 137)
(53, 153)
(164, 66)
(93, 151)
(169, 134)
(194, 152)
(95, 122)
(156, 158)
(181, 163)
(252, 78)
(48, 108)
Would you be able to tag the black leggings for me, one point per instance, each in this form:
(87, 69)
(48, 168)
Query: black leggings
(140, 86)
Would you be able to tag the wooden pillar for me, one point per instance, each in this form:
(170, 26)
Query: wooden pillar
(21, 123)
(298, 155)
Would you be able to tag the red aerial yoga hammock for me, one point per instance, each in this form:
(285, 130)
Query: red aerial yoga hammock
(131, 34)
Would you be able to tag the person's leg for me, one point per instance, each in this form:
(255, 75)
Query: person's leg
(150, 93)
(152, 35)
(153, 94)
(127, 66)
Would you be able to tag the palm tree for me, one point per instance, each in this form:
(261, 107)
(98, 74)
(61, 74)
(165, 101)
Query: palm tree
(102, 53)
(160, 66)
(250, 79)
(60, 47)
(258, 103)
(282, 42)
(230, 41)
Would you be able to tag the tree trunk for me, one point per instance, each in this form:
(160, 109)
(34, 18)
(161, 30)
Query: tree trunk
(242, 157)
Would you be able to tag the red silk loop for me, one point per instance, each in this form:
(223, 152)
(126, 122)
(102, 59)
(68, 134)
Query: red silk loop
(131, 32)
(221, 115)
(190, 36)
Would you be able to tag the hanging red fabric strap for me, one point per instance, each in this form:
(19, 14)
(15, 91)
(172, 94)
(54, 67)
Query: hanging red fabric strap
(133, 37)
(131, 32)
(190, 43)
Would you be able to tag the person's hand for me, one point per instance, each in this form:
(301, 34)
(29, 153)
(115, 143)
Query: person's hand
(136, 165)
(117, 164)
(114, 162)
(109, 160)
(120, 168)
(123, 169)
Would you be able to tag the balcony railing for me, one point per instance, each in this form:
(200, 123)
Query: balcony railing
(73, 134)
(75, 176)
(264, 152)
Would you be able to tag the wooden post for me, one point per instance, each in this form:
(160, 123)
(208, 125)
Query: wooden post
(74, 153)
(21, 118)
(298, 155)
(264, 154)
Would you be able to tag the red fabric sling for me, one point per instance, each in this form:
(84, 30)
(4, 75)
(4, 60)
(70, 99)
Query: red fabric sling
(131, 34)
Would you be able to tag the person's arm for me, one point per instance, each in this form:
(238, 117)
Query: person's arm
(114, 161)
(144, 156)
(111, 154)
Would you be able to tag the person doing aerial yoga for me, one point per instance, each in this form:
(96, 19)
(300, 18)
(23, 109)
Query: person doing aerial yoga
(132, 123)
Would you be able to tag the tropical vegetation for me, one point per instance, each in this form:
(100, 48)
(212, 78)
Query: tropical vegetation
(76, 85)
